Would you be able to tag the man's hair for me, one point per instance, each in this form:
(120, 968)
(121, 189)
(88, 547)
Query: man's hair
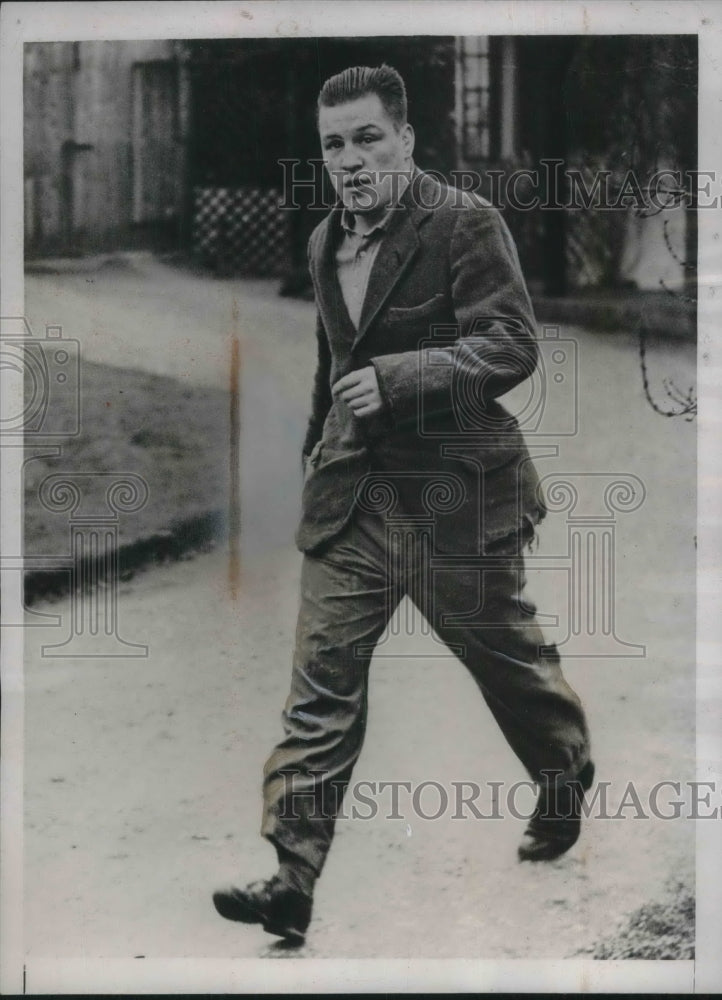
(357, 81)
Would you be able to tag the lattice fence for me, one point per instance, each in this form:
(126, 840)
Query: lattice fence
(240, 230)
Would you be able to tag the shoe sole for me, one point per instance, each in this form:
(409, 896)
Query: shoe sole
(551, 849)
(289, 934)
(548, 852)
(234, 909)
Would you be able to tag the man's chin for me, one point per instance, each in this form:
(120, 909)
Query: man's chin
(363, 200)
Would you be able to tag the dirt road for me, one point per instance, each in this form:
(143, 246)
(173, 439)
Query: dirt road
(142, 776)
(143, 779)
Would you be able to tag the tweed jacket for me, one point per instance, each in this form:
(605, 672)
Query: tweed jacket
(448, 325)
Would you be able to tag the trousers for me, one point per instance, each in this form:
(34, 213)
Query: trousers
(349, 591)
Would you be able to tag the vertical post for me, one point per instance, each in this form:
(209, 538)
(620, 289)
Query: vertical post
(234, 518)
(184, 137)
(553, 145)
(507, 125)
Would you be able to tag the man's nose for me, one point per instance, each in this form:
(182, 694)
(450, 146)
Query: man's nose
(351, 158)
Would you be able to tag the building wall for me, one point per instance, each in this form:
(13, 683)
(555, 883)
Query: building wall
(103, 159)
(522, 100)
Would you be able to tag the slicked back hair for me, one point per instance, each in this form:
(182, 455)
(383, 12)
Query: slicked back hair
(357, 81)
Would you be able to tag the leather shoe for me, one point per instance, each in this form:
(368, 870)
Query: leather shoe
(556, 822)
(280, 909)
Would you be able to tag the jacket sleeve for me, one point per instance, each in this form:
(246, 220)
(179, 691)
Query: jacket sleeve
(321, 399)
(492, 346)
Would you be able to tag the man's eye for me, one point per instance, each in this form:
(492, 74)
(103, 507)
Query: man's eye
(333, 144)
(368, 139)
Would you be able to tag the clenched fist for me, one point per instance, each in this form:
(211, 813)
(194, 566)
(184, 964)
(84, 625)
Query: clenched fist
(360, 391)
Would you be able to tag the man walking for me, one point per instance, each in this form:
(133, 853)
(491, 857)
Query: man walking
(423, 321)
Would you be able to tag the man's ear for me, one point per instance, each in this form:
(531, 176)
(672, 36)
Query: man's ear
(408, 138)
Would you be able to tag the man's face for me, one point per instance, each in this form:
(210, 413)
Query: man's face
(361, 144)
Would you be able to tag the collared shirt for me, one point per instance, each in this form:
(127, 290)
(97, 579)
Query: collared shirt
(355, 257)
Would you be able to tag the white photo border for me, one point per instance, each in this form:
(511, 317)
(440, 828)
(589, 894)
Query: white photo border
(25, 22)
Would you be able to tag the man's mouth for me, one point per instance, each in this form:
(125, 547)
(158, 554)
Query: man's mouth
(361, 180)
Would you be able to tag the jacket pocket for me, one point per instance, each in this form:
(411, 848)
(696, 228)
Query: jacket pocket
(395, 314)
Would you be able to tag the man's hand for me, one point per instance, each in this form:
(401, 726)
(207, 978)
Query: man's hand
(360, 391)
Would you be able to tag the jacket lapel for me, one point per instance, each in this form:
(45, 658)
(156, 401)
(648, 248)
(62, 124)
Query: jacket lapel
(330, 301)
(396, 253)
(397, 250)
